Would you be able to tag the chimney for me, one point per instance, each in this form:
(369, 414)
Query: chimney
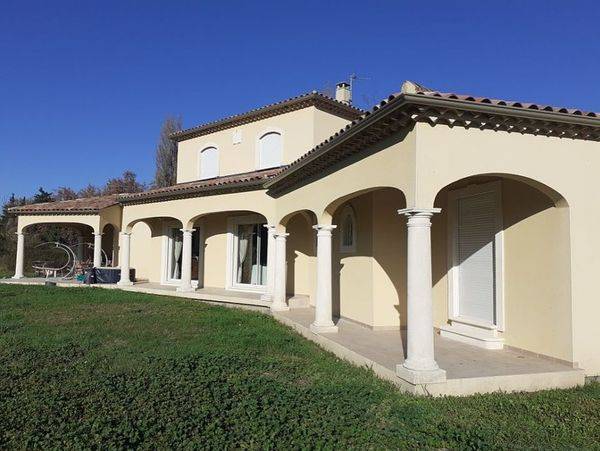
(343, 93)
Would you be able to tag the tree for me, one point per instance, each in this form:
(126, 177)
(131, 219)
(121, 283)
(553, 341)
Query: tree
(166, 154)
(65, 193)
(89, 191)
(42, 196)
(127, 183)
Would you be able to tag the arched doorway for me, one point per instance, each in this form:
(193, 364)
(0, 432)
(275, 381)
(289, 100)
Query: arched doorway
(369, 258)
(501, 264)
(301, 256)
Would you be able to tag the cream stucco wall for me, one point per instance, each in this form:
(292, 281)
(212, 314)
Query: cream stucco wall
(536, 301)
(90, 220)
(387, 164)
(301, 256)
(189, 210)
(301, 130)
(215, 250)
(567, 166)
(146, 250)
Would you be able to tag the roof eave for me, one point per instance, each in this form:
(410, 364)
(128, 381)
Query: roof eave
(346, 135)
(195, 192)
(313, 99)
(404, 99)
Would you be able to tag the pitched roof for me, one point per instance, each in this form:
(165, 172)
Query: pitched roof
(415, 103)
(83, 206)
(245, 181)
(313, 98)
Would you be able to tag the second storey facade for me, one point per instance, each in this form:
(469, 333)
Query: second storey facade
(265, 138)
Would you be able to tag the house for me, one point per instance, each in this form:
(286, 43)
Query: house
(453, 217)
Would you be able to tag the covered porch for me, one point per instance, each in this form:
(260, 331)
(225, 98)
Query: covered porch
(469, 369)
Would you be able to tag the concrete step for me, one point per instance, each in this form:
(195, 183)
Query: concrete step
(299, 301)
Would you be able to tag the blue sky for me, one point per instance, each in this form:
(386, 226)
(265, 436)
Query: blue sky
(85, 85)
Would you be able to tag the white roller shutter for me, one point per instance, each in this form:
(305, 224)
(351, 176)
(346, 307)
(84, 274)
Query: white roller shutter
(209, 163)
(477, 225)
(270, 151)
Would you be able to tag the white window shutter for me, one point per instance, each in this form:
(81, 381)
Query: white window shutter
(477, 227)
(270, 151)
(209, 163)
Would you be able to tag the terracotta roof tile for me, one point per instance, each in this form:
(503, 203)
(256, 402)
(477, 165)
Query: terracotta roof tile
(313, 98)
(410, 95)
(243, 181)
(88, 205)
(508, 103)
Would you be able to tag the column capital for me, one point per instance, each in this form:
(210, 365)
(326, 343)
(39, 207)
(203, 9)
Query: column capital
(328, 228)
(271, 229)
(125, 233)
(282, 235)
(187, 230)
(19, 233)
(98, 234)
(421, 212)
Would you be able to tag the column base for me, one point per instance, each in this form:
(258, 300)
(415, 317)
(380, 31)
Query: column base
(415, 377)
(125, 283)
(185, 289)
(17, 277)
(279, 308)
(324, 328)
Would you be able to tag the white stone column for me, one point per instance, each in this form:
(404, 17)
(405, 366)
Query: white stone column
(125, 246)
(279, 294)
(20, 256)
(420, 366)
(186, 261)
(323, 303)
(268, 296)
(97, 250)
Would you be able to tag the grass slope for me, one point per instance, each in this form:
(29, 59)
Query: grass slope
(104, 368)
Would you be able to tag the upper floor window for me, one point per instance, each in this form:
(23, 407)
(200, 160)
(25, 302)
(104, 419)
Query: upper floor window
(209, 163)
(348, 230)
(270, 152)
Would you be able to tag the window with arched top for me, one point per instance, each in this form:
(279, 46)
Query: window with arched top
(270, 151)
(348, 230)
(209, 163)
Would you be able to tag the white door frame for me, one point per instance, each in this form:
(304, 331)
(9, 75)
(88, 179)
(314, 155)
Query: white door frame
(166, 256)
(232, 252)
(453, 272)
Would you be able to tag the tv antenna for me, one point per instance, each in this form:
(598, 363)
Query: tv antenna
(353, 79)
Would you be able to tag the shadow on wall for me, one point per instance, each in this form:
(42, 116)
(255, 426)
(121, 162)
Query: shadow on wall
(536, 282)
(369, 281)
(301, 254)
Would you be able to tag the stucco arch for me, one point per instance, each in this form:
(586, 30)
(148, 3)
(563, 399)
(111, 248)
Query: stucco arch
(326, 215)
(153, 222)
(309, 215)
(556, 197)
(90, 221)
(532, 251)
(190, 221)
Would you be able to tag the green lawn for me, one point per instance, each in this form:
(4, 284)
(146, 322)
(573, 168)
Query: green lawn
(103, 368)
